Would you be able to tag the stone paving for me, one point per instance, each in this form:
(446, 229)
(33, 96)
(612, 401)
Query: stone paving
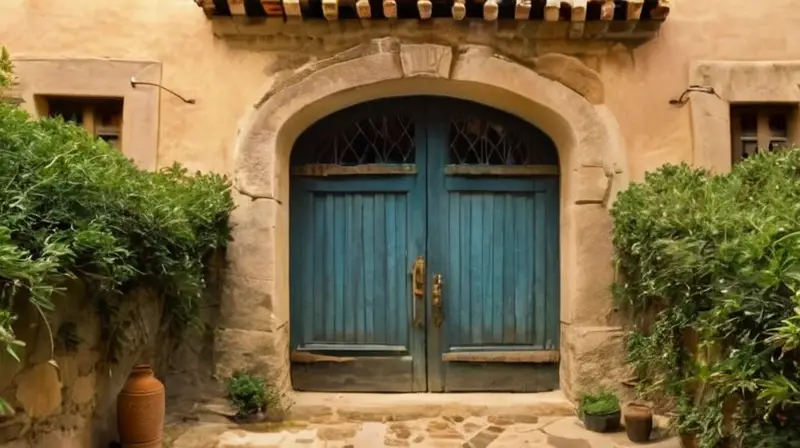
(499, 431)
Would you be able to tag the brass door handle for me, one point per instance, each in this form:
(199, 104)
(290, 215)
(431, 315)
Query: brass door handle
(436, 302)
(418, 288)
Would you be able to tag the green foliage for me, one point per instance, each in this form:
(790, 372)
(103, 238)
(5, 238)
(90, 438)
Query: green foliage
(710, 269)
(250, 394)
(5, 69)
(73, 207)
(601, 402)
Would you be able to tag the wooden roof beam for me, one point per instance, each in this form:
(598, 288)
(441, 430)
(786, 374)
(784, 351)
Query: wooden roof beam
(634, 9)
(552, 10)
(330, 9)
(490, 10)
(522, 9)
(390, 9)
(273, 7)
(606, 9)
(459, 9)
(578, 10)
(293, 9)
(661, 10)
(237, 7)
(425, 8)
(363, 9)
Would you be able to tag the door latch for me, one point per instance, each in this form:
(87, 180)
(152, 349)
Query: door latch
(418, 288)
(437, 301)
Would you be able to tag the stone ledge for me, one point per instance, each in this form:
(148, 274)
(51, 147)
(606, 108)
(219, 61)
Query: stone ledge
(365, 407)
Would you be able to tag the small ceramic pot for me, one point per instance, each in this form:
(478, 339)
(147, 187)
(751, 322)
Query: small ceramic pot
(688, 440)
(638, 422)
(602, 423)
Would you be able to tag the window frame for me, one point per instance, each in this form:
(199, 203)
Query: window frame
(101, 78)
(764, 136)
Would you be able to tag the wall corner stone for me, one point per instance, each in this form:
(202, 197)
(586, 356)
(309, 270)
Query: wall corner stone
(573, 73)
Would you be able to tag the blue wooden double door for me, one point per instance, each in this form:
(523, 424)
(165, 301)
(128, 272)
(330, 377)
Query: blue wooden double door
(424, 250)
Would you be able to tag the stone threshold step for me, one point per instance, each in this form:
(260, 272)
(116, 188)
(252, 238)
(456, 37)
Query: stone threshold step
(321, 407)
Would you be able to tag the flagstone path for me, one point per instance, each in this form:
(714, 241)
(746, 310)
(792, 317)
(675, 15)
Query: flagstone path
(499, 431)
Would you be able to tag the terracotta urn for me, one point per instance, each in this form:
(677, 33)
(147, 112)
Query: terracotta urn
(638, 422)
(140, 410)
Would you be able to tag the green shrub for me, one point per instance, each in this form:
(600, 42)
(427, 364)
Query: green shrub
(73, 207)
(250, 394)
(602, 402)
(5, 69)
(716, 259)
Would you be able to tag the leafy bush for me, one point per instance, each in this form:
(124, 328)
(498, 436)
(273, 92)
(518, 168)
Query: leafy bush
(73, 207)
(602, 402)
(5, 68)
(710, 269)
(250, 394)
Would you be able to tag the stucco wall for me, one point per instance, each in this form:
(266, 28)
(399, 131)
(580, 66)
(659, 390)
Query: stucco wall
(227, 77)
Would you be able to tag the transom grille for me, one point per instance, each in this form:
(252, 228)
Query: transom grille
(383, 139)
(475, 141)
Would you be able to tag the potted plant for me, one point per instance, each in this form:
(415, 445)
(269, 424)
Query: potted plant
(600, 411)
(638, 422)
(249, 396)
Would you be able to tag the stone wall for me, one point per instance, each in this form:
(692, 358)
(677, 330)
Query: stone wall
(74, 404)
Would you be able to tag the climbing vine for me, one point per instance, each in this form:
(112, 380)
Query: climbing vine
(709, 268)
(73, 207)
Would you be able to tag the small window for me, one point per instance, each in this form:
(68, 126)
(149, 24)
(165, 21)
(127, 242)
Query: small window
(101, 117)
(761, 127)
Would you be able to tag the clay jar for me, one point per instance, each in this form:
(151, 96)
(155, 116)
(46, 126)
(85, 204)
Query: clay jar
(140, 410)
(638, 422)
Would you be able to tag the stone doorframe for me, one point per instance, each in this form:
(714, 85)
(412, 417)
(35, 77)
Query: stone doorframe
(557, 93)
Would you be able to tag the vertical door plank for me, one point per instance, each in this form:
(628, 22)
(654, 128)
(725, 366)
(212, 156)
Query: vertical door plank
(369, 266)
(487, 313)
(475, 268)
(329, 281)
(540, 274)
(339, 273)
(403, 314)
(381, 253)
(359, 300)
(455, 287)
(394, 296)
(521, 300)
(496, 282)
(348, 301)
(318, 297)
(302, 273)
(509, 298)
(464, 298)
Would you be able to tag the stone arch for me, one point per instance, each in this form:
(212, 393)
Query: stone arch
(559, 95)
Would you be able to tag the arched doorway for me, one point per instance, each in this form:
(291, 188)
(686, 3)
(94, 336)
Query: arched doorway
(424, 250)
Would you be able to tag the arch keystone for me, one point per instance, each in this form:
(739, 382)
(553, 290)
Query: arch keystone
(426, 60)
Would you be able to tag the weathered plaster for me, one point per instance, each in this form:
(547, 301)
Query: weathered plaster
(228, 75)
(101, 78)
(734, 82)
(585, 134)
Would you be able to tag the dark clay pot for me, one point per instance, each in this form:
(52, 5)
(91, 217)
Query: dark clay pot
(638, 422)
(688, 440)
(140, 410)
(602, 423)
